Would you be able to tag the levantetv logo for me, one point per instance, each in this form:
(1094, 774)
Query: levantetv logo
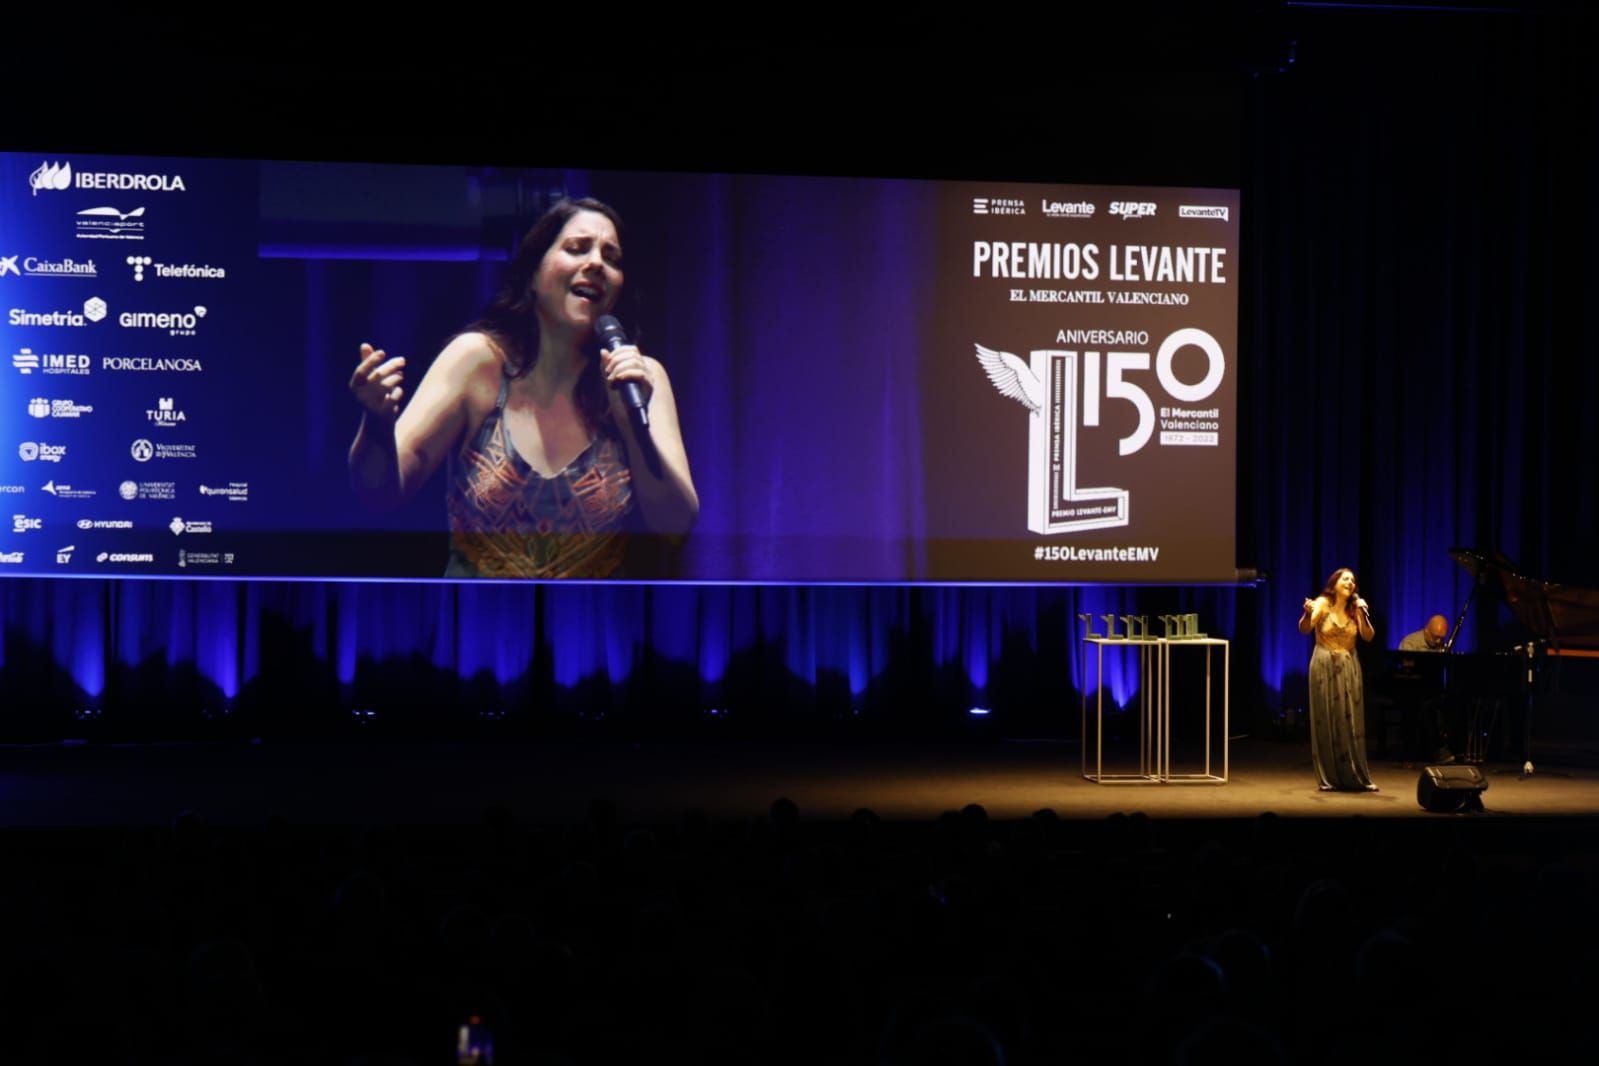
(57, 177)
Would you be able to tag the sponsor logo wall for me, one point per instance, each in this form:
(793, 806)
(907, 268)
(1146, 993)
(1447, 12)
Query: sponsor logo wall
(1064, 360)
(72, 351)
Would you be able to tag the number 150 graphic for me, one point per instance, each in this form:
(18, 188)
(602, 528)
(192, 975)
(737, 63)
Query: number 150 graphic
(1048, 387)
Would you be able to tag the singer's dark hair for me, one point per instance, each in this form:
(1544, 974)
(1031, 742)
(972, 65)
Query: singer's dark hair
(510, 319)
(1328, 589)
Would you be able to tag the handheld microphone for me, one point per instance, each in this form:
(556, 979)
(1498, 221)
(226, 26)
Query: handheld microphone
(611, 337)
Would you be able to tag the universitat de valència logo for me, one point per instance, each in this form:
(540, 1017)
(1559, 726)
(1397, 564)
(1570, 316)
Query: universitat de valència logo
(1063, 390)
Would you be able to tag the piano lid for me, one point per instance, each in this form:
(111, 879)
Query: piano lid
(1563, 615)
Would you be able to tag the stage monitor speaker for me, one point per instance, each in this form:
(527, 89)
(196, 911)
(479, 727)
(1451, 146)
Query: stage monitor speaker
(1445, 789)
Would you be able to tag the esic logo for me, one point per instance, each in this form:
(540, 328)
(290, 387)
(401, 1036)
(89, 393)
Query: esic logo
(21, 523)
(1132, 209)
(55, 177)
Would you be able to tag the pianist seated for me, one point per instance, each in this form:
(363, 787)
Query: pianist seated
(1429, 638)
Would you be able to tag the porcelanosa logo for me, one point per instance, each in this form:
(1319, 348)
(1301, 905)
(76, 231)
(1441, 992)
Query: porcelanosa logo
(94, 310)
(176, 323)
(35, 451)
(57, 177)
(143, 364)
(205, 272)
(34, 267)
(110, 224)
(26, 361)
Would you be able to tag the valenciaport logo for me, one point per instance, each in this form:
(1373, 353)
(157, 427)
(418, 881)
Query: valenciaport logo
(165, 413)
(64, 491)
(34, 267)
(59, 176)
(205, 272)
(110, 224)
(176, 323)
(1217, 212)
(148, 490)
(21, 523)
(39, 407)
(1126, 209)
(997, 205)
(27, 361)
(1067, 208)
(179, 526)
(94, 310)
(233, 491)
(30, 451)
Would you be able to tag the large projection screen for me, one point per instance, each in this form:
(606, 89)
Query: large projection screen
(877, 380)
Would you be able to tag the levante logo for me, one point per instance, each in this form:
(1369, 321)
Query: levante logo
(1062, 391)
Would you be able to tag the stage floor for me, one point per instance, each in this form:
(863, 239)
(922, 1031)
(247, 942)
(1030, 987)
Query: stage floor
(555, 782)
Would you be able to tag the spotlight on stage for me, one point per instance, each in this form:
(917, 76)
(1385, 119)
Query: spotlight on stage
(1447, 789)
(979, 712)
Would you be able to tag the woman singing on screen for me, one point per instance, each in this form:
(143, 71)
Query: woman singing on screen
(1337, 689)
(547, 475)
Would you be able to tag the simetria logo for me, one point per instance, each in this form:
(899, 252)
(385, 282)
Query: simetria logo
(49, 176)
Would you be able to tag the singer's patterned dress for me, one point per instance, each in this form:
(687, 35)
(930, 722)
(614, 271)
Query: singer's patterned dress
(507, 521)
(1338, 708)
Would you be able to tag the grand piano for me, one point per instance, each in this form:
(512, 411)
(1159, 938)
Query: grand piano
(1459, 705)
